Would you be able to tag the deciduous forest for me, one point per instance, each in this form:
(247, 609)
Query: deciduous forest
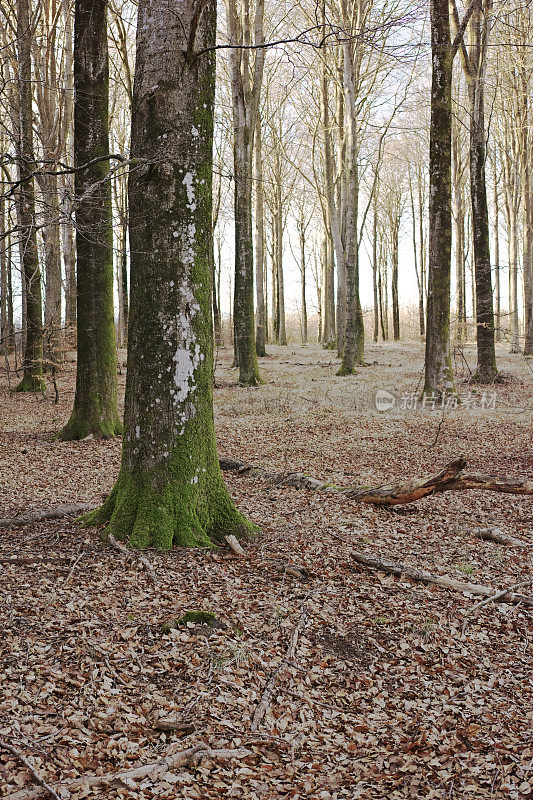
(266, 399)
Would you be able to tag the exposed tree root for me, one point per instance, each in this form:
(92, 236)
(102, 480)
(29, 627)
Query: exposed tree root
(193, 755)
(68, 510)
(395, 568)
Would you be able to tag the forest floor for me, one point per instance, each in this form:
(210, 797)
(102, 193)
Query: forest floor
(382, 695)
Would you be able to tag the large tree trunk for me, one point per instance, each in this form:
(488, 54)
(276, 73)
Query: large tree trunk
(95, 403)
(170, 488)
(438, 368)
(31, 273)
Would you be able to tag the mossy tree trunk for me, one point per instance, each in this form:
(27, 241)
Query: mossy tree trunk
(95, 402)
(170, 489)
(438, 369)
(31, 272)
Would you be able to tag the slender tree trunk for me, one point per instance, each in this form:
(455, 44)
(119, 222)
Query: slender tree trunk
(459, 231)
(333, 220)
(486, 354)
(95, 402)
(497, 290)
(328, 301)
(438, 368)
(170, 489)
(260, 318)
(375, 330)
(31, 273)
(68, 247)
(395, 301)
(52, 260)
(302, 280)
(354, 335)
(217, 319)
(527, 203)
(66, 181)
(513, 280)
(279, 267)
(4, 334)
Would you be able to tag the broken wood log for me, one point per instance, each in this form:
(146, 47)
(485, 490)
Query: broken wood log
(35, 560)
(450, 478)
(498, 536)
(193, 755)
(66, 510)
(395, 568)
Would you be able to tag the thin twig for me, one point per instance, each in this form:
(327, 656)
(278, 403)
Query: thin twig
(492, 599)
(135, 556)
(21, 757)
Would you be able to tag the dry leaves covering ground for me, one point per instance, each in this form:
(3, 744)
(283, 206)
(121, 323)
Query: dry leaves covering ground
(383, 698)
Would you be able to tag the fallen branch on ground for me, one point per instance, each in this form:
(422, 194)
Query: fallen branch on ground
(45, 787)
(67, 510)
(492, 599)
(135, 556)
(268, 691)
(193, 755)
(395, 568)
(495, 535)
(35, 560)
(451, 478)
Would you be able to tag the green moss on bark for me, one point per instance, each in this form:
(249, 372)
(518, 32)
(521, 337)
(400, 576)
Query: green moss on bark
(31, 383)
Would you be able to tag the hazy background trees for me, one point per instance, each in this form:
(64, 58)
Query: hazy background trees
(322, 221)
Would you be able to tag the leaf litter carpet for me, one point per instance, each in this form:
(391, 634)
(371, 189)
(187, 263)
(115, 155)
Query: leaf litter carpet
(382, 695)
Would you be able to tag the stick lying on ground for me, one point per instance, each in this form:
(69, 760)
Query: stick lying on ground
(493, 599)
(495, 535)
(395, 568)
(268, 691)
(451, 478)
(155, 770)
(135, 556)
